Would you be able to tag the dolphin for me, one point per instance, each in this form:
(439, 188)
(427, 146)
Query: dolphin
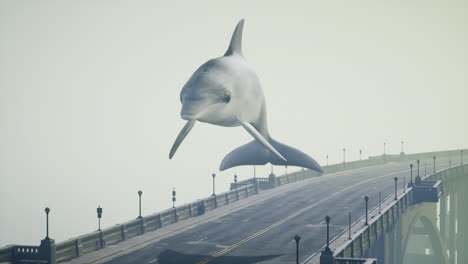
(225, 91)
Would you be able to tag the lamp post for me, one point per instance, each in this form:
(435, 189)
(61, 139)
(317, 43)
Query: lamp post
(139, 202)
(404, 183)
(326, 255)
(344, 155)
(214, 176)
(366, 198)
(297, 238)
(327, 159)
(360, 154)
(99, 215)
(411, 174)
(255, 172)
(434, 158)
(380, 202)
(349, 225)
(461, 157)
(173, 197)
(327, 219)
(418, 167)
(402, 147)
(384, 144)
(47, 210)
(396, 180)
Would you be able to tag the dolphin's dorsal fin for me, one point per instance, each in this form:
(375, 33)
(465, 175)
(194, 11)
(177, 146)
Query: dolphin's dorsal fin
(235, 46)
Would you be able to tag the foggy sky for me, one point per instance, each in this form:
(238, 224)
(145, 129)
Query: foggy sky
(89, 96)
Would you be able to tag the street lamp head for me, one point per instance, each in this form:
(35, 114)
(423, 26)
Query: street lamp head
(366, 198)
(418, 161)
(297, 238)
(214, 175)
(99, 211)
(395, 179)
(327, 219)
(47, 210)
(140, 193)
(411, 165)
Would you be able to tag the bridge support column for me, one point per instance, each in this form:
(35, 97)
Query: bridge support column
(48, 249)
(327, 257)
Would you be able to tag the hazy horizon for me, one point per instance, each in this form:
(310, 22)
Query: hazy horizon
(89, 96)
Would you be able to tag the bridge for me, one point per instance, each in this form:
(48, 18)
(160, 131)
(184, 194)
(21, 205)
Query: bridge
(258, 219)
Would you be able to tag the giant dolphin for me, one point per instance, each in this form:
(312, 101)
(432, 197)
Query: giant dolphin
(225, 91)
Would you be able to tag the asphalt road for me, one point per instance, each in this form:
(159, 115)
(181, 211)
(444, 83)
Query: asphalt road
(264, 231)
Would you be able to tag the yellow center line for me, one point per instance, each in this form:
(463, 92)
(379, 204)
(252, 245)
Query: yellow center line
(282, 221)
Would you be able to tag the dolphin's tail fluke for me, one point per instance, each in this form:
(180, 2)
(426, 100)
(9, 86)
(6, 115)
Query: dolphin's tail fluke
(255, 153)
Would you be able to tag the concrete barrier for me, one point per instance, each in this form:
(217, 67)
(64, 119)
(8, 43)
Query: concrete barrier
(232, 196)
(168, 217)
(112, 235)
(133, 228)
(152, 222)
(184, 212)
(66, 250)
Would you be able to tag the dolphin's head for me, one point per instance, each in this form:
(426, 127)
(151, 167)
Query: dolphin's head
(209, 93)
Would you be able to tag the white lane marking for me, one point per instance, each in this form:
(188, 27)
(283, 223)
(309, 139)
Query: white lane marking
(154, 260)
(245, 220)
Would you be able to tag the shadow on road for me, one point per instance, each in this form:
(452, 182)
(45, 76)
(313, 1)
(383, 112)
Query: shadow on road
(174, 257)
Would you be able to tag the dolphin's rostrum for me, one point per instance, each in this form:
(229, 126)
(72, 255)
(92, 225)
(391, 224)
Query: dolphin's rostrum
(225, 91)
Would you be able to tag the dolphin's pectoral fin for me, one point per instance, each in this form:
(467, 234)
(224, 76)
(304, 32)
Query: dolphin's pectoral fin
(182, 134)
(255, 153)
(254, 133)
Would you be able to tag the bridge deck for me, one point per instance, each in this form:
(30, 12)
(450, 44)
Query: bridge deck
(260, 229)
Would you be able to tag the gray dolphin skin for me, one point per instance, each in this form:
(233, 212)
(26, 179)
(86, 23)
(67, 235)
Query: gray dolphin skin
(225, 91)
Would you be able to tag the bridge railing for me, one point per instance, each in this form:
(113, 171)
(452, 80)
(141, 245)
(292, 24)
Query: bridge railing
(96, 240)
(366, 235)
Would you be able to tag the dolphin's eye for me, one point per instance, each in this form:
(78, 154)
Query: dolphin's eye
(227, 98)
